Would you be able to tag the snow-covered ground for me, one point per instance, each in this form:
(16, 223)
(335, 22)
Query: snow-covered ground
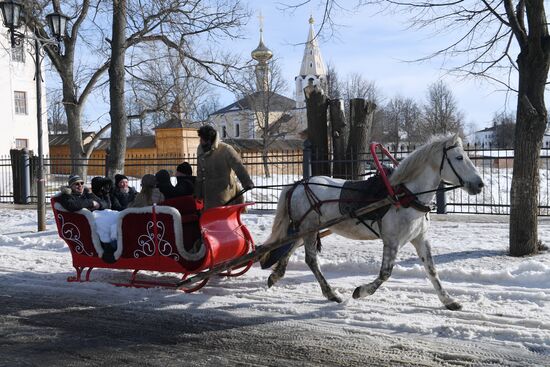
(506, 300)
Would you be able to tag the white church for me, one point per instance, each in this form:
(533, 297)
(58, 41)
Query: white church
(18, 98)
(240, 120)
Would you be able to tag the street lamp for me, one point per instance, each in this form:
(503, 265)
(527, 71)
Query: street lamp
(12, 14)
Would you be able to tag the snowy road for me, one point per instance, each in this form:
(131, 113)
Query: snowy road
(45, 321)
(53, 329)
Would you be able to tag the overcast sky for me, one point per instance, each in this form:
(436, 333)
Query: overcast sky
(375, 46)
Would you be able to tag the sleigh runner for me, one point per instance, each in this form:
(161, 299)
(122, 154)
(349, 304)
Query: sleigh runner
(170, 238)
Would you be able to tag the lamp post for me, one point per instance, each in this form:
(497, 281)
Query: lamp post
(12, 12)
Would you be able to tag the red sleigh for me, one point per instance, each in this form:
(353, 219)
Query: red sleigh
(170, 237)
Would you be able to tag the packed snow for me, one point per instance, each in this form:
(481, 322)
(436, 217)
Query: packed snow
(506, 300)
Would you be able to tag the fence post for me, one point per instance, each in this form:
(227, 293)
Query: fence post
(441, 200)
(306, 164)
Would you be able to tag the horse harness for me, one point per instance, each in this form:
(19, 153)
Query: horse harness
(403, 197)
(354, 196)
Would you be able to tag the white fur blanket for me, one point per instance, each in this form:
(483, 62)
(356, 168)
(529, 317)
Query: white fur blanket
(106, 224)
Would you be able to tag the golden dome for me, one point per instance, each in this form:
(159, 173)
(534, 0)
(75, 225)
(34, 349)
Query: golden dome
(261, 53)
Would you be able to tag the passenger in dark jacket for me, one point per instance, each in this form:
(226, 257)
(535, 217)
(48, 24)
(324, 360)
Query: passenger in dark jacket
(101, 187)
(165, 185)
(185, 178)
(75, 196)
(122, 194)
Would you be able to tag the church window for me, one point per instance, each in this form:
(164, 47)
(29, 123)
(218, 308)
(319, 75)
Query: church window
(224, 132)
(237, 130)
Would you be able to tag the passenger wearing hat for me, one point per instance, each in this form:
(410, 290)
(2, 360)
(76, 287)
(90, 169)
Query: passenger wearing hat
(149, 193)
(164, 184)
(185, 179)
(75, 196)
(122, 194)
(217, 165)
(102, 187)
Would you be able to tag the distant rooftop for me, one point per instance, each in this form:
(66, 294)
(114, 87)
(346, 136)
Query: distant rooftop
(277, 103)
(256, 144)
(132, 142)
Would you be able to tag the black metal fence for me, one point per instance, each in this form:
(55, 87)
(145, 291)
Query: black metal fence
(283, 168)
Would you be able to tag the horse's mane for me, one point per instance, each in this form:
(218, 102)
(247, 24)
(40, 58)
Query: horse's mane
(430, 153)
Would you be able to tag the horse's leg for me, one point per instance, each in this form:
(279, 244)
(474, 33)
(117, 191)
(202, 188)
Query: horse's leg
(388, 261)
(423, 249)
(310, 243)
(280, 269)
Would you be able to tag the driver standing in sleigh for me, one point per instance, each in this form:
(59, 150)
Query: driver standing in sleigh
(217, 165)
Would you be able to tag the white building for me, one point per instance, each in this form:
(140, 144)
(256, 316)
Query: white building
(487, 137)
(483, 137)
(18, 98)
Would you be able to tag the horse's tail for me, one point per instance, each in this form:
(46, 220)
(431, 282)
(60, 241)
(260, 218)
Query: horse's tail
(281, 223)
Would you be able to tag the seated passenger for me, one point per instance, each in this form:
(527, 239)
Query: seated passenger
(149, 193)
(165, 186)
(101, 187)
(122, 194)
(185, 178)
(75, 196)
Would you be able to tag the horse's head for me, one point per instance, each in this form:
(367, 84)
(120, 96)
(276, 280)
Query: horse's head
(457, 168)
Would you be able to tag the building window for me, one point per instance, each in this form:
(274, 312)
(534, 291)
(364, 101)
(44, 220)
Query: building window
(18, 53)
(21, 143)
(224, 132)
(20, 99)
(237, 130)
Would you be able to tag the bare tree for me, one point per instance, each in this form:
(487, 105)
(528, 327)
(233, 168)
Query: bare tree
(117, 151)
(402, 121)
(504, 124)
(440, 113)
(497, 36)
(333, 82)
(57, 121)
(167, 88)
(169, 25)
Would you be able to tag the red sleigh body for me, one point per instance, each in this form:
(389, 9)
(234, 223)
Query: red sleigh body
(170, 237)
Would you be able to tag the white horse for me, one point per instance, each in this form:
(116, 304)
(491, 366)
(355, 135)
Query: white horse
(443, 158)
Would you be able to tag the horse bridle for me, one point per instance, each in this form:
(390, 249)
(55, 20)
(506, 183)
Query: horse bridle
(445, 156)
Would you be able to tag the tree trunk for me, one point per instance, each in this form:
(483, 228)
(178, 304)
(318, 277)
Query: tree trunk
(361, 116)
(115, 163)
(265, 162)
(317, 132)
(340, 131)
(79, 164)
(531, 121)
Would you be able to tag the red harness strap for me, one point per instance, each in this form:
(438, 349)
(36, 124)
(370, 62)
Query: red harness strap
(409, 199)
(381, 170)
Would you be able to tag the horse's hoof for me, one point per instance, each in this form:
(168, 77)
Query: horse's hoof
(454, 306)
(335, 299)
(357, 293)
(270, 281)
